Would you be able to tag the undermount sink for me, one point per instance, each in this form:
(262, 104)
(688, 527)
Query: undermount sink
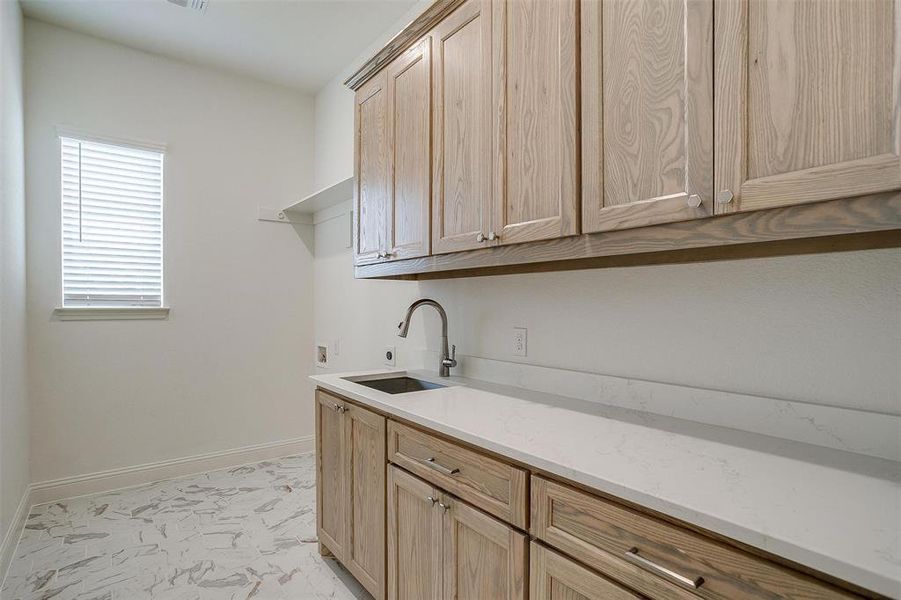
(398, 385)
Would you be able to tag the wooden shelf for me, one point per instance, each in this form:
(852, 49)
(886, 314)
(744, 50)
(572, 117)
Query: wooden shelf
(324, 198)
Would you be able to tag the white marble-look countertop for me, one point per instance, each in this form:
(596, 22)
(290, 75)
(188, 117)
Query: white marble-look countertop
(833, 511)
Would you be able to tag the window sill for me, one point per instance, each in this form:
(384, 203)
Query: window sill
(102, 313)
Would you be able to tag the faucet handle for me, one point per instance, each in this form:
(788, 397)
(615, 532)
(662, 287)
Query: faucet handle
(450, 361)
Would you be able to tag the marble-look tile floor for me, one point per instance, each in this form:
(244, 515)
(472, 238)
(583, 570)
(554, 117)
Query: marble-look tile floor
(242, 533)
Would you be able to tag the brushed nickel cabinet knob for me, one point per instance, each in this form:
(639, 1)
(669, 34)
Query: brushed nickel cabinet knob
(694, 201)
(724, 196)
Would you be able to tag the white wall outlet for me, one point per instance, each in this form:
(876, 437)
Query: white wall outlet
(390, 356)
(321, 355)
(520, 341)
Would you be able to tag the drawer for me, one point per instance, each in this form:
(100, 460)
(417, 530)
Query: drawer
(657, 558)
(490, 484)
(553, 576)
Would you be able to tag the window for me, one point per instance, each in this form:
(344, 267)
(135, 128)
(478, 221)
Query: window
(112, 224)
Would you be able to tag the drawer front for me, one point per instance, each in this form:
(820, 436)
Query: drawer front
(492, 485)
(657, 558)
(555, 577)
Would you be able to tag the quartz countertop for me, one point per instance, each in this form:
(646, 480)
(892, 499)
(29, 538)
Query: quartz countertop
(833, 511)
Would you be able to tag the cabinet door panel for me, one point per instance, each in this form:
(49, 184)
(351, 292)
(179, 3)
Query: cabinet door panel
(483, 558)
(330, 474)
(462, 124)
(409, 119)
(364, 549)
(538, 130)
(371, 171)
(555, 577)
(414, 538)
(808, 100)
(647, 112)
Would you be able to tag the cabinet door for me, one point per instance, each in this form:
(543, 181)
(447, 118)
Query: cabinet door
(330, 473)
(364, 547)
(647, 112)
(555, 577)
(483, 558)
(414, 538)
(463, 83)
(371, 171)
(409, 152)
(807, 101)
(537, 108)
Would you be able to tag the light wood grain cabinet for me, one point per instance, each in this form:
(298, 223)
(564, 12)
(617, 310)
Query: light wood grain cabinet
(414, 538)
(647, 112)
(555, 577)
(536, 120)
(409, 152)
(393, 156)
(351, 465)
(495, 486)
(464, 141)
(656, 558)
(331, 497)
(371, 170)
(483, 558)
(441, 548)
(808, 101)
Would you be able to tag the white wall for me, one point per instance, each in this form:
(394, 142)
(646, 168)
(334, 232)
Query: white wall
(14, 475)
(356, 318)
(824, 329)
(228, 369)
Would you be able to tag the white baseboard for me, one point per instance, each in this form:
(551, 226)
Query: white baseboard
(114, 479)
(13, 533)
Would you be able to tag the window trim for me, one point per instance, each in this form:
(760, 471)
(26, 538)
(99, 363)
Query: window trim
(107, 313)
(112, 313)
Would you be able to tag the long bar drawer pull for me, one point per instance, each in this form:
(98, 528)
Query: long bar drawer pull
(633, 557)
(431, 462)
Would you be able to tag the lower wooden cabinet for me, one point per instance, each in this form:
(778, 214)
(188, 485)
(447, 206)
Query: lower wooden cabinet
(350, 499)
(659, 559)
(440, 547)
(406, 538)
(555, 577)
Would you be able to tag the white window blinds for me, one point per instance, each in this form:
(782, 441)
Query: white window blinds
(112, 224)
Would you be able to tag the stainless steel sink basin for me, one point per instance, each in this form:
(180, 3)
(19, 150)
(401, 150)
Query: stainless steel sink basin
(398, 385)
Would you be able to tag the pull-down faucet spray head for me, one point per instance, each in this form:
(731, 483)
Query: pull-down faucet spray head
(448, 358)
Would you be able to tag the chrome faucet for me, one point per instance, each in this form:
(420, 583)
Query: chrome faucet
(448, 359)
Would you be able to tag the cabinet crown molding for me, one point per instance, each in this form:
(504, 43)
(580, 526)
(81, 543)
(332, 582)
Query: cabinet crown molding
(397, 45)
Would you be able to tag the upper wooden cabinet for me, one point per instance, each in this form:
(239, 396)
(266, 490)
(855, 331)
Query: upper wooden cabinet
(808, 101)
(409, 152)
(537, 128)
(556, 134)
(393, 154)
(647, 112)
(371, 170)
(463, 82)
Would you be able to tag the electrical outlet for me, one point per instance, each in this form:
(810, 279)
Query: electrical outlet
(390, 356)
(520, 340)
(321, 355)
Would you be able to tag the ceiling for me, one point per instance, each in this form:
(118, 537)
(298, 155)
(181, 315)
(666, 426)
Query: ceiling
(298, 43)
